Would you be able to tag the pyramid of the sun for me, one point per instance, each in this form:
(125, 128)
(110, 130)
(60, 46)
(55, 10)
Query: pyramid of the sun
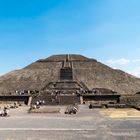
(90, 72)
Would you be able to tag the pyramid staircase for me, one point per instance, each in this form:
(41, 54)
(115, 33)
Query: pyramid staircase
(66, 82)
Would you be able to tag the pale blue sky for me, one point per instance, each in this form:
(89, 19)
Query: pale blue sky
(107, 30)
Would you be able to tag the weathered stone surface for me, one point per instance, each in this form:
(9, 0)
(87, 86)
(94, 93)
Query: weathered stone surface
(88, 71)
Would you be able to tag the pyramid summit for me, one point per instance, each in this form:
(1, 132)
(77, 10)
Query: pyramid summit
(67, 72)
(63, 57)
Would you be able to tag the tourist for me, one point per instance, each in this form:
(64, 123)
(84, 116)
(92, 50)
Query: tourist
(40, 102)
(37, 103)
(5, 111)
(43, 102)
(0, 111)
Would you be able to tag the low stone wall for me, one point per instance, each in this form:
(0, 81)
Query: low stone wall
(16, 98)
(61, 100)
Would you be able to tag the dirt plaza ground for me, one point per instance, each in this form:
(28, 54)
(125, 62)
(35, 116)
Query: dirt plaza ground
(87, 124)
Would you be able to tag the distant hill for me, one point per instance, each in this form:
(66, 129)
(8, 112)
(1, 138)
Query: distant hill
(88, 71)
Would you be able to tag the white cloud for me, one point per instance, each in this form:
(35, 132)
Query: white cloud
(121, 61)
(131, 66)
(135, 71)
(136, 60)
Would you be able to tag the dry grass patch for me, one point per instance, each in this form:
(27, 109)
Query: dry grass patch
(121, 113)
